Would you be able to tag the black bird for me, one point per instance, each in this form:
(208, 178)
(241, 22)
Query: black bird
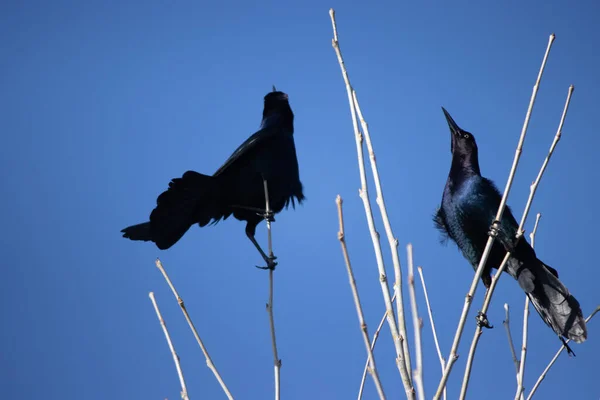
(469, 206)
(235, 188)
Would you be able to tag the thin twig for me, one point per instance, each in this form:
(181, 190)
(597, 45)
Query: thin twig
(209, 361)
(489, 293)
(397, 339)
(417, 325)
(393, 242)
(430, 312)
(564, 346)
(521, 373)
(359, 312)
(373, 341)
(184, 394)
(506, 324)
(276, 360)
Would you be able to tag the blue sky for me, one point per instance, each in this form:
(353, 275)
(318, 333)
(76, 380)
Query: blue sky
(104, 102)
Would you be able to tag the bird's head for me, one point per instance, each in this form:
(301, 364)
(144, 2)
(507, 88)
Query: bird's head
(461, 141)
(276, 103)
(463, 147)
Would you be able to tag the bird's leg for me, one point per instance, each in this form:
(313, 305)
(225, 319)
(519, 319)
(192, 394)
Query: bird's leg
(569, 351)
(270, 260)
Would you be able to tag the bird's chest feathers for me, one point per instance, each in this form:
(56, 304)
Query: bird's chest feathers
(462, 204)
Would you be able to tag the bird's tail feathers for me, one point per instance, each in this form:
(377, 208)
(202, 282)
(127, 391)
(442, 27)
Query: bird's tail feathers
(138, 232)
(552, 300)
(191, 199)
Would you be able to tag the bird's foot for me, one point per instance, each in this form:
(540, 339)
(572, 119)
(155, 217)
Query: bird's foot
(270, 263)
(494, 228)
(482, 321)
(269, 216)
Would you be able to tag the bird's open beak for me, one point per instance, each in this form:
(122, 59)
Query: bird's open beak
(274, 89)
(454, 129)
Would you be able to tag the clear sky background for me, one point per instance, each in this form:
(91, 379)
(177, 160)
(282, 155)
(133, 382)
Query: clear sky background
(104, 102)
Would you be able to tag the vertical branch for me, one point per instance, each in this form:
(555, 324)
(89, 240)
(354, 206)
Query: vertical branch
(277, 361)
(393, 242)
(417, 325)
(209, 361)
(361, 319)
(400, 358)
(545, 372)
(373, 341)
(489, 293)
(506, 324)
(430, 312)
(521, 372)
(184, 394)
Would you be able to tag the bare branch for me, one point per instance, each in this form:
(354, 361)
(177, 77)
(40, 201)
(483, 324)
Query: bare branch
(417, 325)
(430, 312)
(493, 232)
(489, 293)
(209, 361)
(506, 324)
(361, 319)
(545, 372)
(373, 341)
(277, 361)
(184, 394)
(397, 339)
(521, 372)
(393, 242)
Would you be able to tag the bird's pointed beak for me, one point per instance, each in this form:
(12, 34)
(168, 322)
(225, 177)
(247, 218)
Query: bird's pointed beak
(454, 128)
(274, 89)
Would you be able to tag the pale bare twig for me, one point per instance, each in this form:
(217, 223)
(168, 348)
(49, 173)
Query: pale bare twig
(489, 293)
(209, 361)
(361, 319)
(545, 372)
(184, 394)
(393, 242)
(493, 233)
(397, 339)
(506, 324)
(277, 361)
(430, 312)
(521, 372)
(417, 325)
(373, 341)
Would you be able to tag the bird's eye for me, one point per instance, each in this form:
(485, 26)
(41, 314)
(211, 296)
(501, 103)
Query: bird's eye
(466, 135)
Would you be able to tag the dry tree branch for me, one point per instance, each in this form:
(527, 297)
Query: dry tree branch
(521, 372)
(397, 339)
(430, 312)
(492, 235)
(564, 346)
(184, 394)
(209, 361)
(361, 319)
(489, 293)
(277, 361)
(417, 325)
(506, 324)
(393, 242)
(373, 341)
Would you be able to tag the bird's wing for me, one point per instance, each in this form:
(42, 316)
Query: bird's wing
(509, 225)
(248, 146)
